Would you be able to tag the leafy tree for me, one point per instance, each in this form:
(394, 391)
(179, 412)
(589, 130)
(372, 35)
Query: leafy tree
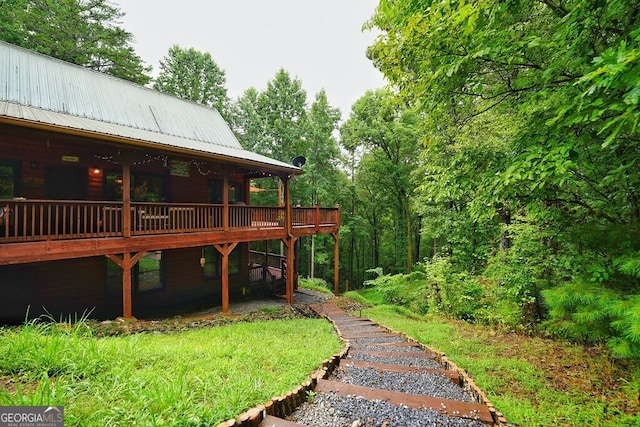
(195, 76)
(321, 180)
(83, 32)
(560, 80)
(282, 106)
(247, 121)
(276, 122)
(387, 131)
(321, 151)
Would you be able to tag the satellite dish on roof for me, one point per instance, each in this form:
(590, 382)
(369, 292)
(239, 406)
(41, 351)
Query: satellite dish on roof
(299, 161)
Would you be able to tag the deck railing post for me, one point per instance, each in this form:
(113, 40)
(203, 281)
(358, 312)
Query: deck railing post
(225, 202)
(126, 199)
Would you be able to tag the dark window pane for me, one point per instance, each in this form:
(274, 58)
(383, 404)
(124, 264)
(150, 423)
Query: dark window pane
(215, 191)
(7, 181)
(212, 268)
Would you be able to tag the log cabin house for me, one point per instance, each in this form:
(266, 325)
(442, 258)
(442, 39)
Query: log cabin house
(123, 201)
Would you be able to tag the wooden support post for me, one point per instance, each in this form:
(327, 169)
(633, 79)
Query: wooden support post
(336, 264)
(291, 268)
(225, 202)
(290, 241)
(126, 263)
(225, 249)
(127, 302)
(126, 199)
(287, 206)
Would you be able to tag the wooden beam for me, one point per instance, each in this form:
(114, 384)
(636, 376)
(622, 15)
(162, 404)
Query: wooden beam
(287, 205)
(127, 303)
(116, 260)
(291, 269)
(126, 199)
(454, 408)
(225, 281)
(225, 201)
(336, 264)
(126, 263)
(225, 249)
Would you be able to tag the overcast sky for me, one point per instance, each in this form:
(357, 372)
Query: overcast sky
(320, 42)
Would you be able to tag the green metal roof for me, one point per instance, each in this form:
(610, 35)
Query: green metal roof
(40, 89)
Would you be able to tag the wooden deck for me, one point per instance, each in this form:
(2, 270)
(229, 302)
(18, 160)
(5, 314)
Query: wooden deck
(44, 230)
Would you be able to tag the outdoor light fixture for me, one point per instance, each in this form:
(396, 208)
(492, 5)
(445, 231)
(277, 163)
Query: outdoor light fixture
(95, 171)
(299, 161)
(203, 260)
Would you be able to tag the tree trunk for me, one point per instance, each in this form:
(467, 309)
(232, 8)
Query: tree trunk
(409, 247)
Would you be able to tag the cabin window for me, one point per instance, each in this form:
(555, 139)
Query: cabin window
(113, 185)
(146, 275)
(144, 187)
(9, 179)
(215, 191)
(212, 268)
(147, 188)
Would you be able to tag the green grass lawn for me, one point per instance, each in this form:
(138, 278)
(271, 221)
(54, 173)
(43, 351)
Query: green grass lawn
(532, 381)
(197, 377)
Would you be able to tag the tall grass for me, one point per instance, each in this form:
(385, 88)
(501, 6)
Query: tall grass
(197, 377)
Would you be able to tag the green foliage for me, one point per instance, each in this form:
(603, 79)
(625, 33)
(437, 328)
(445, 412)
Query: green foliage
(526, 377)
(386, 133)
(317, 284)
(282, 109)
(276, 122)
(319, 183)
(435, 288)
(580, 311)
(364, 297)
(43, 349)
(584, 311)
(528, 175)
(195, 76)
(197, 377)
(83, 32)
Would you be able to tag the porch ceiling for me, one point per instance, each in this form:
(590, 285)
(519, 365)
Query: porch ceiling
(26, 116)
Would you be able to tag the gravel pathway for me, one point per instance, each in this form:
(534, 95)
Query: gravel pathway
(328, 410)
(396, 359)
(336, 406)
(422, 383)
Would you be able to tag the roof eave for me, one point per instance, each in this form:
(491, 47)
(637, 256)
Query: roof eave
(289, 170)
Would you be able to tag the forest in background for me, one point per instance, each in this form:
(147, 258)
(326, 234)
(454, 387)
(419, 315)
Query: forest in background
(495, 180)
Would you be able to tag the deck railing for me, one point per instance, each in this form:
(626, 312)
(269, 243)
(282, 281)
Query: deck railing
(38, 220)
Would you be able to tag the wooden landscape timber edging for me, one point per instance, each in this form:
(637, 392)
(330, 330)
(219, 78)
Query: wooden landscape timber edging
(273, 412)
